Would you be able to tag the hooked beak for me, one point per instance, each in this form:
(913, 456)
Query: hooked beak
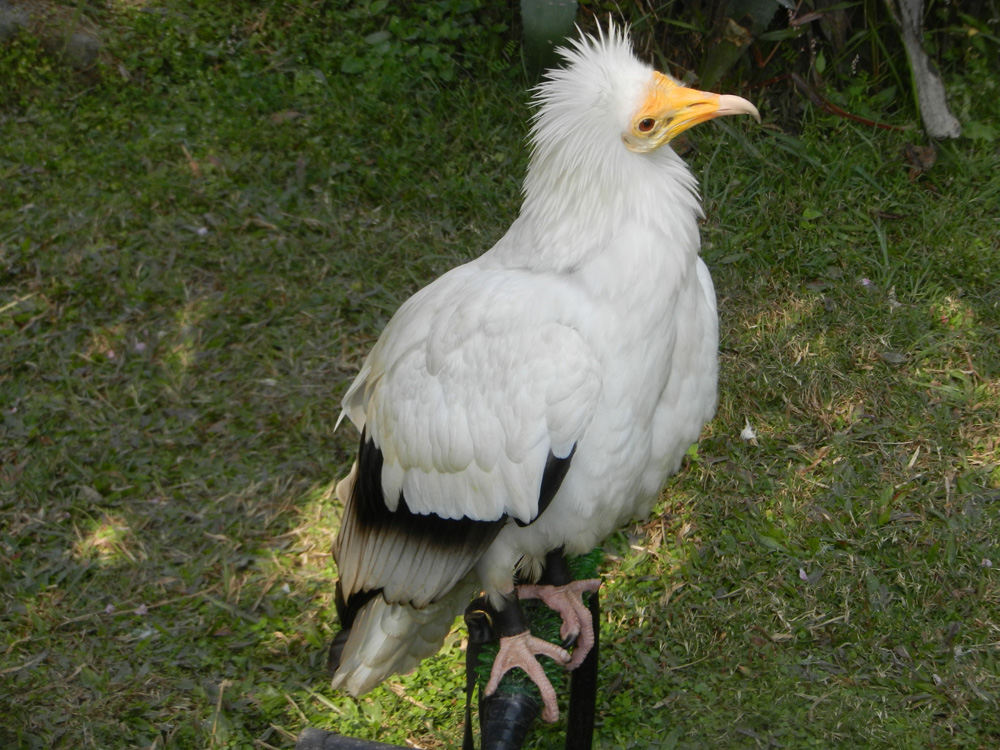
(669, 109)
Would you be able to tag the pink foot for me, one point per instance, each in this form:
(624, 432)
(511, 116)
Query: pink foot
(568, 602)
(520, 651)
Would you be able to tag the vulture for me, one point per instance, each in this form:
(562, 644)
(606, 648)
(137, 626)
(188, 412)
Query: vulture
(525, 405)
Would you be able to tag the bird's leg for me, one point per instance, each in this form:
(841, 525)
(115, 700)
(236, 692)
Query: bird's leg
(519, 648)
(562, 594)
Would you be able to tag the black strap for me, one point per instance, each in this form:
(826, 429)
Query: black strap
(479, 624)
(583, 689)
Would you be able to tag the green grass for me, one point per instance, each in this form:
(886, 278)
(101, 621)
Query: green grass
(194, 261)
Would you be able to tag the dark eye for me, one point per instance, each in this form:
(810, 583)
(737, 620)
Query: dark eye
(646, 125)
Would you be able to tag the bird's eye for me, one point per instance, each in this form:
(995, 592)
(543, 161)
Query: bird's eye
(646, 125)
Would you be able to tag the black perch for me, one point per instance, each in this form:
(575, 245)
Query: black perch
(506, 717)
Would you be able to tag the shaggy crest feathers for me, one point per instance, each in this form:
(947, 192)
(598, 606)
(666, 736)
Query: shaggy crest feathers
(600, 72)
(580, 174)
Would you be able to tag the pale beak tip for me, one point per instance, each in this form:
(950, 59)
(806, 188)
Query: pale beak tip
(736, 105)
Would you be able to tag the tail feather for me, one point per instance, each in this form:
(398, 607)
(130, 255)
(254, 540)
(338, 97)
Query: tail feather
(386, 638)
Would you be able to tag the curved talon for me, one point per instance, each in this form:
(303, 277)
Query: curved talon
(520, 651)
(568, 602)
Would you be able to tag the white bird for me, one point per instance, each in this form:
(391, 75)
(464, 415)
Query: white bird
(530, 402)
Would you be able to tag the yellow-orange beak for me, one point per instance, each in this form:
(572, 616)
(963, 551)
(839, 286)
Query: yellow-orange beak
(669, 109)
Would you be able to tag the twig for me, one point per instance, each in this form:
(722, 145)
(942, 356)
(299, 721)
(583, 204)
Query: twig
(27, 665)
(689, 664)
(232, 609)
(16, 302)
(833, 109)
(164, 603)
(218, 709)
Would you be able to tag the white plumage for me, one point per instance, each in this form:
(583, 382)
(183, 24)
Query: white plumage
(582, 347)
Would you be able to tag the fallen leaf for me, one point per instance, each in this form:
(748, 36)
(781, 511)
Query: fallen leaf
(287, 116)
(920, 159)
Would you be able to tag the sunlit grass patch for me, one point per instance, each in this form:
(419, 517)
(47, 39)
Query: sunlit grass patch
(107, 539)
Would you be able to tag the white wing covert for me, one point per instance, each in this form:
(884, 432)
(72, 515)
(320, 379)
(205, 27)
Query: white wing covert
(476, 385)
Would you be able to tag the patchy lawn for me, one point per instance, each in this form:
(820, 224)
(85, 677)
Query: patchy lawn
(197, 249)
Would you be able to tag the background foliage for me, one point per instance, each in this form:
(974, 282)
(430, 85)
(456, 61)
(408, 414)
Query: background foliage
(201, 237)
